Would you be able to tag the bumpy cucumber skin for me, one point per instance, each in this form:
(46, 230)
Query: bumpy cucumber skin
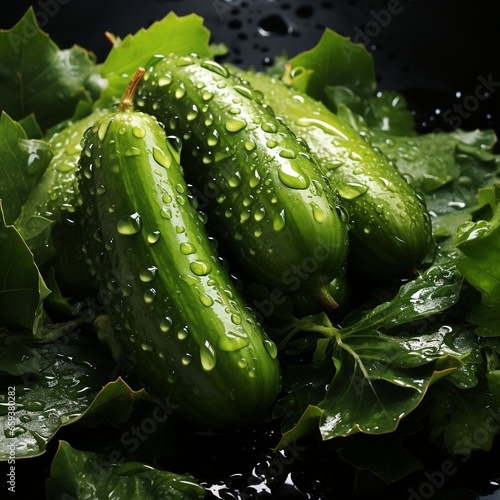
(184, 330)
(267, 202)
(390, 229)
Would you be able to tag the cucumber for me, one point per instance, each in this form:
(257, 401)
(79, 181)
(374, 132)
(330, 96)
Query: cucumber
(55, 196)
(266, 200)
(390, 229)
(183, 328)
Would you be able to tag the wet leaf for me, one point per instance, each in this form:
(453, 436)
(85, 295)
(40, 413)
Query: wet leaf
(37, 78)
(83, 474)
(72, 371)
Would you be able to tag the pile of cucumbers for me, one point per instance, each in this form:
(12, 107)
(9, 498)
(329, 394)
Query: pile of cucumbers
(203, 169)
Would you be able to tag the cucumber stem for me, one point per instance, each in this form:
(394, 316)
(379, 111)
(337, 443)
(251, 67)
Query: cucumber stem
(326, 299)
(127, 100)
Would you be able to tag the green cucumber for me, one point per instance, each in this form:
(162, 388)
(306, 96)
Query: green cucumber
(55, 196)
(183, 328)
(390, 229)
(266, 200)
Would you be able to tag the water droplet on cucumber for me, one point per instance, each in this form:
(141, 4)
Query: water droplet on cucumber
(200, 267)
(208, 356)
(231, 342)
(148, 274)
(129, 225)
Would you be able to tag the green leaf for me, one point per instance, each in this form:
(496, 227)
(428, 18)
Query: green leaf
(72, 371)
(182, 35)
(83, 474)
(464, 420)
(394, 464)
(37, 234)
(334, 61)
(38, 78)
(375, 379)
(22, 289)
(479, 244)
(385, 112)
(18, 358)
(435, 290)
(22, 163)
(114, 404)
(379, 379)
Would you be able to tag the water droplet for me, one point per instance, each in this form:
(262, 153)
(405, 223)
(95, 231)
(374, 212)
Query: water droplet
(149, 295)
(235, 124)
(161, 157)
(208, 356)
(183, 334)
(166, 324)
(351, 190)
(318, 214)
(287, 153)
(236, 319)
(213, 138)
(103, 128)
(153, 237)
(231, 342)
(192, 113)
(259, 214)
(147, 346)
(34, 405)
(292, 177)
(274, 25)
(249, 145)
(271, 348)
(326, 127)
(165, 79)
(279, 221)
(206, 300)
(200, 267)
(252, 373)
(132, 224)
(101, 189)
(269, 127)
(242, 363)
(271, 143)
(234, 181)
(180, 91)
(139, 132)
(207, 95)
(165, 213)
(148, 274)
(109, 244)
(215, 67)
(132, 151)
(187, 248)
(172, 377)
(186, 359)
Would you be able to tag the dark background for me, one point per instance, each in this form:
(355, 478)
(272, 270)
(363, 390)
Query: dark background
(436, 52)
